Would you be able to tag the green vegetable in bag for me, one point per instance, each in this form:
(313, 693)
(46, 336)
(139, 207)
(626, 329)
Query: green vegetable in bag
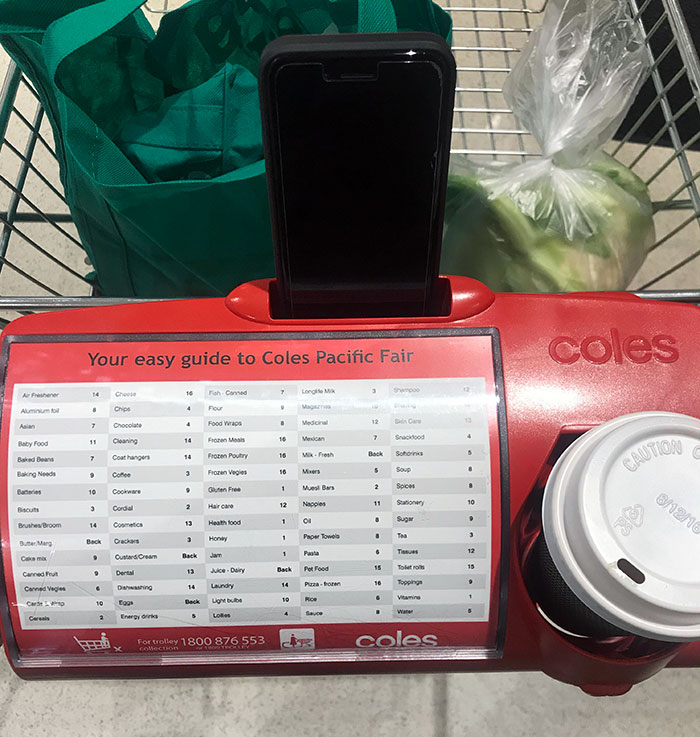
(495, 239)
(574, 219)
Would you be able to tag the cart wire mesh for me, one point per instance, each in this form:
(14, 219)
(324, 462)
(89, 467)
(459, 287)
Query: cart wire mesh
(43, 266)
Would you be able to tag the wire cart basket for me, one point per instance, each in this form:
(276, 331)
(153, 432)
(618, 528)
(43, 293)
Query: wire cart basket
(43, 266)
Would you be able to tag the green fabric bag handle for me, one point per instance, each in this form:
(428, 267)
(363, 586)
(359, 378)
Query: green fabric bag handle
(75, 30)
(37, 16)
(71, 32)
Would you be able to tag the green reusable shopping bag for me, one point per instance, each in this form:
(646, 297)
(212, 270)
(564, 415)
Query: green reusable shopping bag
(158, 134)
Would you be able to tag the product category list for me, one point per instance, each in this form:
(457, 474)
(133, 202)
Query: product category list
(162, 504)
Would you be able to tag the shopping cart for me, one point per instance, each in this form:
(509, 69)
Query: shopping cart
(43, 267)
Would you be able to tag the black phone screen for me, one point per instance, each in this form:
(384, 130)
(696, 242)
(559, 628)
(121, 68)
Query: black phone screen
(359, 159)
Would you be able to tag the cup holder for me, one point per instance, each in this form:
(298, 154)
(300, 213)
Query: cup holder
(600, 559)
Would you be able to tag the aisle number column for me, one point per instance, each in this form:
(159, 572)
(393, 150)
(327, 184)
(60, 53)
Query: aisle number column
(156, 504)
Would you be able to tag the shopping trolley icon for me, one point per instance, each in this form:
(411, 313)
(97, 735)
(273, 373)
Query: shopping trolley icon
(94, 646)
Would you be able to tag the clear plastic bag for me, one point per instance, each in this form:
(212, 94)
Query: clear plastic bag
(573, 218)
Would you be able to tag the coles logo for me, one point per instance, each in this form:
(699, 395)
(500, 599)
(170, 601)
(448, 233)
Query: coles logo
(611, 347)
(399, 640)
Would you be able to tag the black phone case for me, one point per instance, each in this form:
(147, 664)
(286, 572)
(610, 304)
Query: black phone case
(352, 50)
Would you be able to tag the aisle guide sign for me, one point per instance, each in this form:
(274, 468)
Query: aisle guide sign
(169, 495)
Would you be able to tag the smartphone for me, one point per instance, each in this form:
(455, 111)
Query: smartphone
(356, 129)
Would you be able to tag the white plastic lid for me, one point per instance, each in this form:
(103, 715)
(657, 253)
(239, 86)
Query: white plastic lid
(621, 518)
